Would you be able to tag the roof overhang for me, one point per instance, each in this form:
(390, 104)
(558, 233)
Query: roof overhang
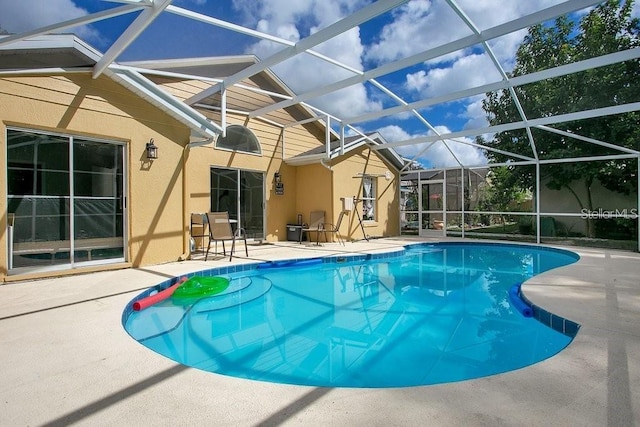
(207, 67)
(146, 89)
(216, 70)
(303, 159)
(62, 51)
(65, 52)
(349, 144)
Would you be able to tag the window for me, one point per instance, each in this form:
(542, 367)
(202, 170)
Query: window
(368, 198)
(239, 138)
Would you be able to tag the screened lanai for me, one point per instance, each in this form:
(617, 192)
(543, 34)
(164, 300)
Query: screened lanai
(550, 155)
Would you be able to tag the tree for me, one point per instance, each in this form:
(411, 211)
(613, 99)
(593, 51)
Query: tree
(504, 194)
(605, 29)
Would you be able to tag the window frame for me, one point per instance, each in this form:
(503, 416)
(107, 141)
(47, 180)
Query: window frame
(235, 150)
(370, 200)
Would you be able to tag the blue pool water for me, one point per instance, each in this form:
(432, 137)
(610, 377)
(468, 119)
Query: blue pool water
(433, 313)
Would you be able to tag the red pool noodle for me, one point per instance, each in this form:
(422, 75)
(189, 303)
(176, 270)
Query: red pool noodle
(156, 298)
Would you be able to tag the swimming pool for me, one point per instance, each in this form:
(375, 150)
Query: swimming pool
(428, 314)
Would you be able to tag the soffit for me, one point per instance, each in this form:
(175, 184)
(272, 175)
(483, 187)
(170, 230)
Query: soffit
(59, 51)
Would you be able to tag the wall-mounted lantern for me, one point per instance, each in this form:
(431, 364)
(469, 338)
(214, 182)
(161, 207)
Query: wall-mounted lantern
(152, 150)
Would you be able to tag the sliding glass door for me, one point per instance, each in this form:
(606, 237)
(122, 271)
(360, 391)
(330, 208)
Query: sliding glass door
(98, 200)
(241, 193)
(66, 202)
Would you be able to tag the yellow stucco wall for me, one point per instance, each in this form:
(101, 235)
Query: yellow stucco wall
(347, 182)
(160, 196)
(76, 104)
(314, 192)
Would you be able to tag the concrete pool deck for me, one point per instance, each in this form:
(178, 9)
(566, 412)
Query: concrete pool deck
(66, 359)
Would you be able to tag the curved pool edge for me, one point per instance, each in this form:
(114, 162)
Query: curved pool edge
(585, 290)
(559, 323)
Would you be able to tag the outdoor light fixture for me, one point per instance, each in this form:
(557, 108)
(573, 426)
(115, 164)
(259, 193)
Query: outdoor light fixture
(152, 150)
(277, 178)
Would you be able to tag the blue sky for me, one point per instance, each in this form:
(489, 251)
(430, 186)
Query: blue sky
(406, 30)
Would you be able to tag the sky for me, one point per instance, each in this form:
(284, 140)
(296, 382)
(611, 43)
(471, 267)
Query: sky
(413, 27)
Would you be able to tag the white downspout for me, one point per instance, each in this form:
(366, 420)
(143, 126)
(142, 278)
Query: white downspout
(186, 219)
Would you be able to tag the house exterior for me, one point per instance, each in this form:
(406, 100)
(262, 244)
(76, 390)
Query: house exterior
(82, 192)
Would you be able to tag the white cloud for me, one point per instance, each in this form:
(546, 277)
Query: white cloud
(287, 31)
(314, 13)
(459, 70)
(466, 72)
(505, 48)
(417, 26)
(25, 15)
(302, 73)
(421, 24)
(438, 155)
(474, 114)
(393, 133)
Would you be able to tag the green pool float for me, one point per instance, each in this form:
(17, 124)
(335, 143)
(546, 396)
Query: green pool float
(200, 287)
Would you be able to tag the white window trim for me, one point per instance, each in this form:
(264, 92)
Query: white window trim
(371, 200)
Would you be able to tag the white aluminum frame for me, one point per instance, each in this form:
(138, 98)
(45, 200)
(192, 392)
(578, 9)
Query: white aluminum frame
(149, 10)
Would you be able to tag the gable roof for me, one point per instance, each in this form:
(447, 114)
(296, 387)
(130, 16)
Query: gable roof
(336, 149)
(263, 87)
(68, 53)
